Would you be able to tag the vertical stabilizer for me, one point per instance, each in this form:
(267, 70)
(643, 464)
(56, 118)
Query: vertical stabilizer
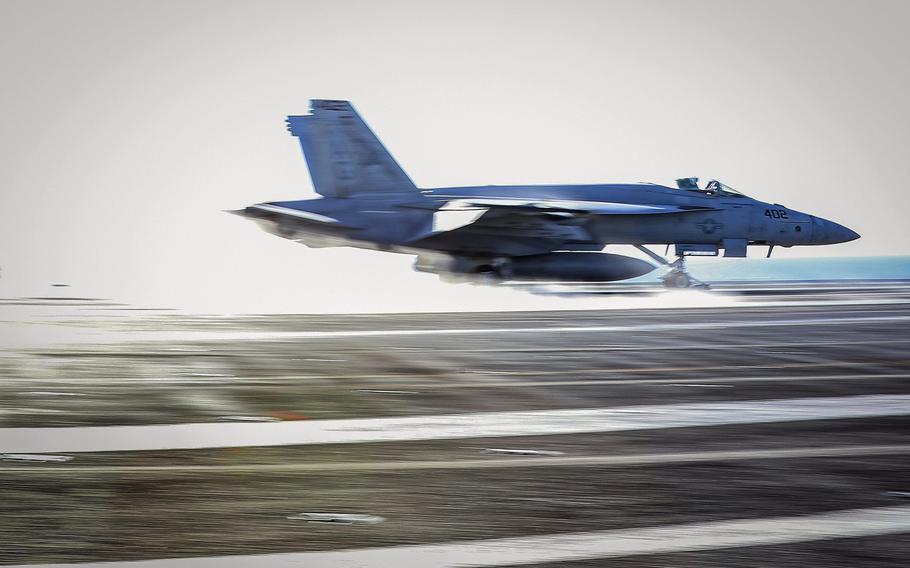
(342, 153)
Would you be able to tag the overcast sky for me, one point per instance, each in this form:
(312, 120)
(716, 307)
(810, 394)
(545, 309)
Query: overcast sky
(128, 126)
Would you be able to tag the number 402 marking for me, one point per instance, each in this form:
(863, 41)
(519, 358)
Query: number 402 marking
(776, 213)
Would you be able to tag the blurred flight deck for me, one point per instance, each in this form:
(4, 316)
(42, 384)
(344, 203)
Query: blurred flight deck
(761, 423)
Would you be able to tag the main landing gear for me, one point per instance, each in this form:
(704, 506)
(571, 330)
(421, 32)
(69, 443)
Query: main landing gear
(677, 277)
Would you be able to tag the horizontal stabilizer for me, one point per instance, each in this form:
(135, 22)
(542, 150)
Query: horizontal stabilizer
(278, 213)
(296, 213)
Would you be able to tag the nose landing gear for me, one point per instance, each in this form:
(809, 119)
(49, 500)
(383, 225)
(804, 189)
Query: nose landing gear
(677, 277)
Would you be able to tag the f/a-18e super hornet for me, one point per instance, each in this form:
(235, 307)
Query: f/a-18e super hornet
(526, 232)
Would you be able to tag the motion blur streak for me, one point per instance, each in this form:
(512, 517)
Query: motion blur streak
(576, 546)
(466, 425)
(274, 335)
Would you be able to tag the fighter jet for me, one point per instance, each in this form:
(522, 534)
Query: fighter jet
(522, 232)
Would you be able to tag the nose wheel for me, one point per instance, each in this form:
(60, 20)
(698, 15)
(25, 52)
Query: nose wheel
(677, 277)
(677, 280)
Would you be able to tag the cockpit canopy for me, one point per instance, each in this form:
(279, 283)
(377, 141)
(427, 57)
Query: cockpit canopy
(713, 187)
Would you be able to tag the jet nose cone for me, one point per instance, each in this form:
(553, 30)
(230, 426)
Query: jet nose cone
(837, 233)
(846, 235)
(830, 233)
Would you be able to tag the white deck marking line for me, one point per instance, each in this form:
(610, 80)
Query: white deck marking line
(708, 381)
(269, 335)
(488, 463)
(616, 543)
(447, 426)
(674, 347)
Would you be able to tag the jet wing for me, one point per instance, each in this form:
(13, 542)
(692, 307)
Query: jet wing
(536, 218)
(522, 226)
(571, 206)
(512, 230)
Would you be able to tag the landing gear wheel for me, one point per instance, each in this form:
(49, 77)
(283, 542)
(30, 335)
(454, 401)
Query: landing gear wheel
(497, 271)
(677, 280)
(488, 278)
(676, 277)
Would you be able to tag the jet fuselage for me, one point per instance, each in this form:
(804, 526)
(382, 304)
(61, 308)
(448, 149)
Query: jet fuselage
(369, 202)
